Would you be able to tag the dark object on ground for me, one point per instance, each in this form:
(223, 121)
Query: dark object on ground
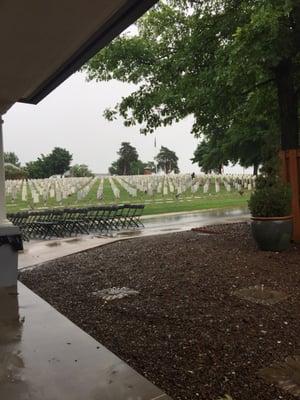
(186, 331)
(272, 234)
(72, 221)
(205, 230)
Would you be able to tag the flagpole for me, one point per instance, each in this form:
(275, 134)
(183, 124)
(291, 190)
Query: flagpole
(156, 154)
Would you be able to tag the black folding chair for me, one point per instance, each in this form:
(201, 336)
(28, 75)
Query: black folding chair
(74, 221)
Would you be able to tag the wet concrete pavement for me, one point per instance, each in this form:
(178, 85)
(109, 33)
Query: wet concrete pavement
(185, 221)
(38, 252)
(44, 356)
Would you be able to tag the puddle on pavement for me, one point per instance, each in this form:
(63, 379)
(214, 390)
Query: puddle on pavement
(168, 230)
(285, 375)
(129, 233)
(53, 244)
(75, 240)
(261, 295)
(191, 220)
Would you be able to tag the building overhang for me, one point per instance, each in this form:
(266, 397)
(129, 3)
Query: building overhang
(43, 42)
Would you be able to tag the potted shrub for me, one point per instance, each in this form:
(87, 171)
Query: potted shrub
(270, 207)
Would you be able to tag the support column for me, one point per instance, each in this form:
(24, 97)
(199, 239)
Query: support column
(10, 238)
(290, 169)
(3, 219)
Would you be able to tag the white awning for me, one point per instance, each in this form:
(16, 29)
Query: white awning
(42, 42)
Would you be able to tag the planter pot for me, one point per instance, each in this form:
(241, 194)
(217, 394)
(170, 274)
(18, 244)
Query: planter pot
(272, 233)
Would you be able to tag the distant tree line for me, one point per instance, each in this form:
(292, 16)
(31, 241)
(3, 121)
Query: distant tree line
(58, 162)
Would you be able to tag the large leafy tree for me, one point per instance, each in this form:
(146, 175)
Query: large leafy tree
(14, 172)
(58, 161)
(210, 155)
(137, 167)
(11, 158)
(167, 160)
(232, 64)
(80, 170)
(55, 163)
(128, 162)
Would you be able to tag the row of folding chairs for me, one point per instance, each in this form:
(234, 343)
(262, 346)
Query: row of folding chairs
(68, 222)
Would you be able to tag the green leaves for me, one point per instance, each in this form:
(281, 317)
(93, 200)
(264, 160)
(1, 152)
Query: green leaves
(271, 201)
(128, 162)
(167, 161)
(214, 60)
(55, 163)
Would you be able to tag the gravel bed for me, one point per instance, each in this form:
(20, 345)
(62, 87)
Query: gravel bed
(185, 330)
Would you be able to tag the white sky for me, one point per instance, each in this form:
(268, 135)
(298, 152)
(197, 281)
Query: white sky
(72, 117)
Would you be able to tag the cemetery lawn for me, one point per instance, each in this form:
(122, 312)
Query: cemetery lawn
(187, 331)
(153, 205)
(212, 202)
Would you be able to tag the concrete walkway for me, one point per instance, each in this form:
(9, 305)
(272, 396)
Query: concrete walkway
(41, 251)
(44, 356)
(38, 252)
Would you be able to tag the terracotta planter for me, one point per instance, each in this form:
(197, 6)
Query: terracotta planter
(272, 233)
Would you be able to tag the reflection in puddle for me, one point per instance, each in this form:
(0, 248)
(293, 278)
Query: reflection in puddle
(128, 233)
(261, 295)
(168, 229)
(286, 375)
(188, 221)
(53, 244)
(75, 240)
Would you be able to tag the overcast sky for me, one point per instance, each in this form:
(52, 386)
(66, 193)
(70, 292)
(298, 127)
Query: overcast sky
(72, 117)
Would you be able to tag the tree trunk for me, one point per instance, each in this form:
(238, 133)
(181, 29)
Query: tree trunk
(255, 169)
(288, 105)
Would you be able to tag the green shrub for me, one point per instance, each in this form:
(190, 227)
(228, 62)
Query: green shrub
(271, 198)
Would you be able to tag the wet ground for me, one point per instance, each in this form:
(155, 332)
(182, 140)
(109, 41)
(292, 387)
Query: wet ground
(213, 315)
(43, 356)
(165, 223)
(40, 251)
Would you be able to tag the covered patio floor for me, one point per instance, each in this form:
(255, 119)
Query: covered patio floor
(45, 356)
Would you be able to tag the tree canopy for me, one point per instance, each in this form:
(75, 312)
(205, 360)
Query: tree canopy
(210, 156)
(12, 171)
(128, 162)
(55, 163)
(234, 65)
(167, 160)
(80, 170)
(11, 158)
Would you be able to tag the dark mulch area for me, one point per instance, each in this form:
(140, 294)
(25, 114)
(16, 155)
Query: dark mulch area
(185, 332)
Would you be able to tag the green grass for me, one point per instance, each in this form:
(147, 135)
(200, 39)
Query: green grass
(194, 205)
(204, 203)
(156, 204)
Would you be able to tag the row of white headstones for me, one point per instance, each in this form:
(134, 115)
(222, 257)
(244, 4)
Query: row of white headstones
(41, 190)
(45, 189)
(180, 184)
